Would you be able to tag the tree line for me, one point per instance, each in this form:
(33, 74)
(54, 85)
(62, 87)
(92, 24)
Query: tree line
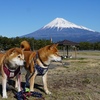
(89, 46)
(7, 43)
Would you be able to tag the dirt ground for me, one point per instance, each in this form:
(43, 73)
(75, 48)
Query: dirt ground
(75, 79)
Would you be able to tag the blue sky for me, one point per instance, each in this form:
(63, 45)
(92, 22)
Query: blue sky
(20, 17)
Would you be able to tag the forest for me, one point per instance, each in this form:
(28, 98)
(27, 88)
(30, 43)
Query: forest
(7, 43)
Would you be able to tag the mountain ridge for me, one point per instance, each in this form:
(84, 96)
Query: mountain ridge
(60, 29)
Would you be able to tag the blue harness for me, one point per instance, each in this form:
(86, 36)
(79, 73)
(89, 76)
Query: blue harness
(40, 70)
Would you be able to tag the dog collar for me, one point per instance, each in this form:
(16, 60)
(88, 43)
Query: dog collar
(11, 73)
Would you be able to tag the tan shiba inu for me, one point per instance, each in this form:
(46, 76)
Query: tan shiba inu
(38, 62)
(10, 64)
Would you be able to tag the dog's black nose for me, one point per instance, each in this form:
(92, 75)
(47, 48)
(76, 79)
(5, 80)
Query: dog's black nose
(62, 57)
(24, 62)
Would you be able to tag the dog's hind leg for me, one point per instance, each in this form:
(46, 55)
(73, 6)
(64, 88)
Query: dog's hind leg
(32, 79)
(27, 78)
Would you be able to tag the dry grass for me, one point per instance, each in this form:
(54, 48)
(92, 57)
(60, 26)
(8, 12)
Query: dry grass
(78, 79)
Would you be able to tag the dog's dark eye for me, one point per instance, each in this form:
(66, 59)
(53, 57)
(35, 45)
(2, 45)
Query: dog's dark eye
(18, 56)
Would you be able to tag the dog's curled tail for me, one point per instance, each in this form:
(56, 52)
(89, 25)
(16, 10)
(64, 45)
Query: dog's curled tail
(25, 45)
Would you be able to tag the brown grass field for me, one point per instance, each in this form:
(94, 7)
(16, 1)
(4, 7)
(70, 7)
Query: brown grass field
(76, 79)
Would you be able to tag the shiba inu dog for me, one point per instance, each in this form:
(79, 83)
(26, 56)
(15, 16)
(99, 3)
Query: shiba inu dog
(10, 64)
(40, 61)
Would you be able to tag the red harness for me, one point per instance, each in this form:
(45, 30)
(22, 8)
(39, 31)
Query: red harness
(11, 73)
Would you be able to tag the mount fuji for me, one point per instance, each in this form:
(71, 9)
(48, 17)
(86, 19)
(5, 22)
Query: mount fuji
(61, 29)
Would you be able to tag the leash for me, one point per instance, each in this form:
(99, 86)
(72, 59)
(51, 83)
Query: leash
(64, 64)
(25, 93)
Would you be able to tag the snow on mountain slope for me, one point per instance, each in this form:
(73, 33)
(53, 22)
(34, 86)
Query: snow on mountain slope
(61, 23)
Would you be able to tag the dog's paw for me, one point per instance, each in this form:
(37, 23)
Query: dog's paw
(48, 92)
(5, 96)
(31, 90)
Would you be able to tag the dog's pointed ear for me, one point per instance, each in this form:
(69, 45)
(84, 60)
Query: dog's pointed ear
(53, 46)
(10, 51)
(2, 60)
(56, 44)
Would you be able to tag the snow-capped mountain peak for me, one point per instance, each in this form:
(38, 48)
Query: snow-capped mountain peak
(61, 23)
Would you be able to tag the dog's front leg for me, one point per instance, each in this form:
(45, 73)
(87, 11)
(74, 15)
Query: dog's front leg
(4, 83)
(45, 84)
(32, 81)
(18, 82)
